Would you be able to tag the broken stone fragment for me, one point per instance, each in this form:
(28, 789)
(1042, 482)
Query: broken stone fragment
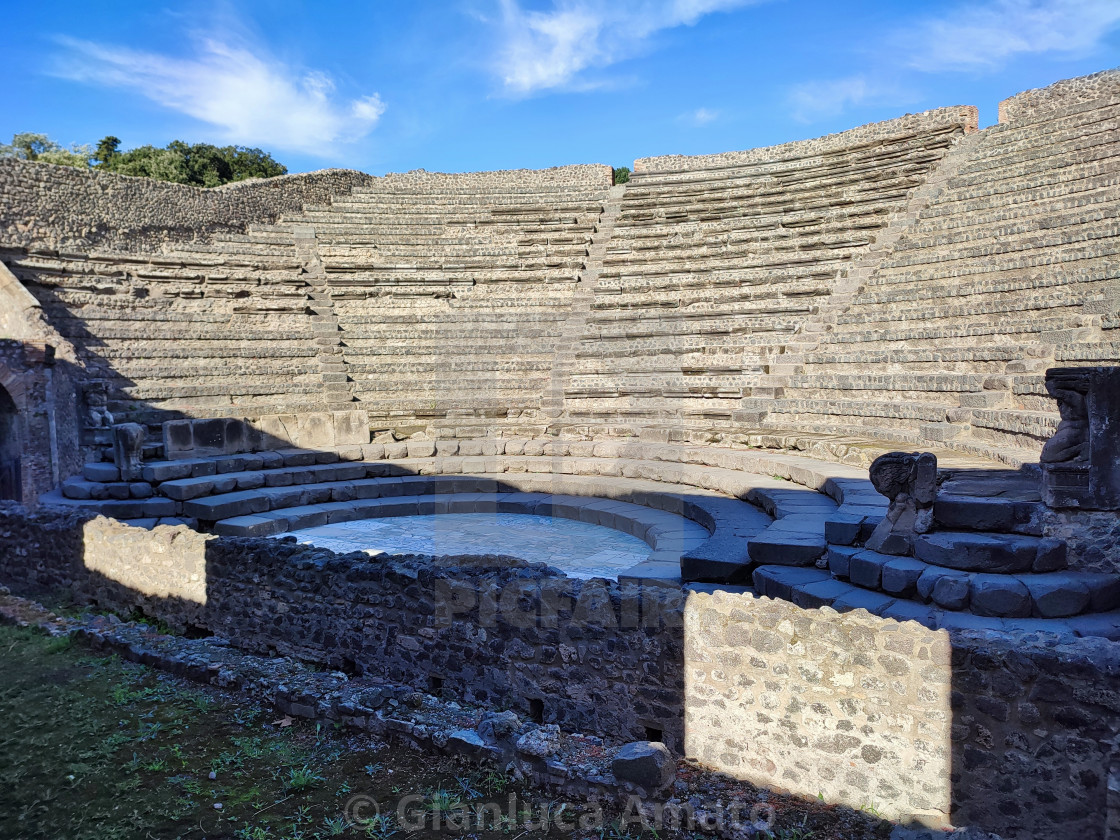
(540, 742)
(647, 764)
(498, 726)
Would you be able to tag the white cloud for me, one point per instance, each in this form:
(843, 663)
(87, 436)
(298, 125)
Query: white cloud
(816, 100)
(975, 36)
(252, 98)
(544, 50)
(701, 116)
(988, 34)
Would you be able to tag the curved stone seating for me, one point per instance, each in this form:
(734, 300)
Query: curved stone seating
(1001, 574)
(232, 492)
(1008, 268)
(669, 535)
(766, 528)
(715, 264)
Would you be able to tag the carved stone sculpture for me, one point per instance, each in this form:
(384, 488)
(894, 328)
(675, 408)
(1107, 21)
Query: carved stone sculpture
(1070, 387)
(1081, 462)
(128, 450)
(909, 480)
(97, 402)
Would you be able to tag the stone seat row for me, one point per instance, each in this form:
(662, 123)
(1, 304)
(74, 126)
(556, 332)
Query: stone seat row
(765, 191)
(612, 295)
(1068, 310)
(687, 233)
(1070, 196)
(1068, 179)
(1086, 235)
(771, 282)
(1072, 155)
(1080, 222)
(507, 224)
(866, 152)
(853, 182)
(1081, 275)
(448, 185)
(1011, 145)
(1018, 264)
(735, 214)
(812, 588)
(384, 252)
(482, 210)
(744, 251)
(374, 232)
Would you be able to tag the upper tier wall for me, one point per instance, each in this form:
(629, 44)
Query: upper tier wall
(42, 205)
(964, 115)
(588, 174)
(1041, 102)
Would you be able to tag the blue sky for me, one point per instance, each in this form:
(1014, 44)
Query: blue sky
(497, 84)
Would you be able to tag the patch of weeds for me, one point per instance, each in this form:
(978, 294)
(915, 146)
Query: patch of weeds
(59, 644)
(381, 827)
(442, 802)
(301, 779)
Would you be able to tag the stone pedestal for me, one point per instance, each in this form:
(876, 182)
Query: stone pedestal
(1081, 462)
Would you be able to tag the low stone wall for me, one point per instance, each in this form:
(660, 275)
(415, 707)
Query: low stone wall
(1011, 733)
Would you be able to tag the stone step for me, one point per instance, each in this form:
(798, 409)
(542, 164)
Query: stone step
(998, 553)
(863, 579)
(990, 515)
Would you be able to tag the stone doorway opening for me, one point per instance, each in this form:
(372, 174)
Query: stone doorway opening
(11, 473)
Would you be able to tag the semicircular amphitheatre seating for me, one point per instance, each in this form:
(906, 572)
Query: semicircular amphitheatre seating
(728, 338)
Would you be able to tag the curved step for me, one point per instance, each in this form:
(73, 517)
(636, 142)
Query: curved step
(1049, 594)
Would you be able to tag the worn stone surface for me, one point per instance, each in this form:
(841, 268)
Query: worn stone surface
(1080, 468)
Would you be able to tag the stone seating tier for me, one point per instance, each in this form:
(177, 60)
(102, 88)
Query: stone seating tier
(955, 578)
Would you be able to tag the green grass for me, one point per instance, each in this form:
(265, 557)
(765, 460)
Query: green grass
(95, 748)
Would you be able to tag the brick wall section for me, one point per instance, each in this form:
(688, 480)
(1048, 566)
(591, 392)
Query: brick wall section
(1039, 103)
(1017, 730)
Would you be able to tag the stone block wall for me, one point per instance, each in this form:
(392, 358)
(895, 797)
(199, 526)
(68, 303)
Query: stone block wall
(1040, 102)
(231, 435)
(1015, 734)
(964, 115)
(43, 205)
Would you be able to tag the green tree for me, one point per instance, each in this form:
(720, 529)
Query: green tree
(621, 174)
(202, 164)
(107, 152)
(40, 147)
